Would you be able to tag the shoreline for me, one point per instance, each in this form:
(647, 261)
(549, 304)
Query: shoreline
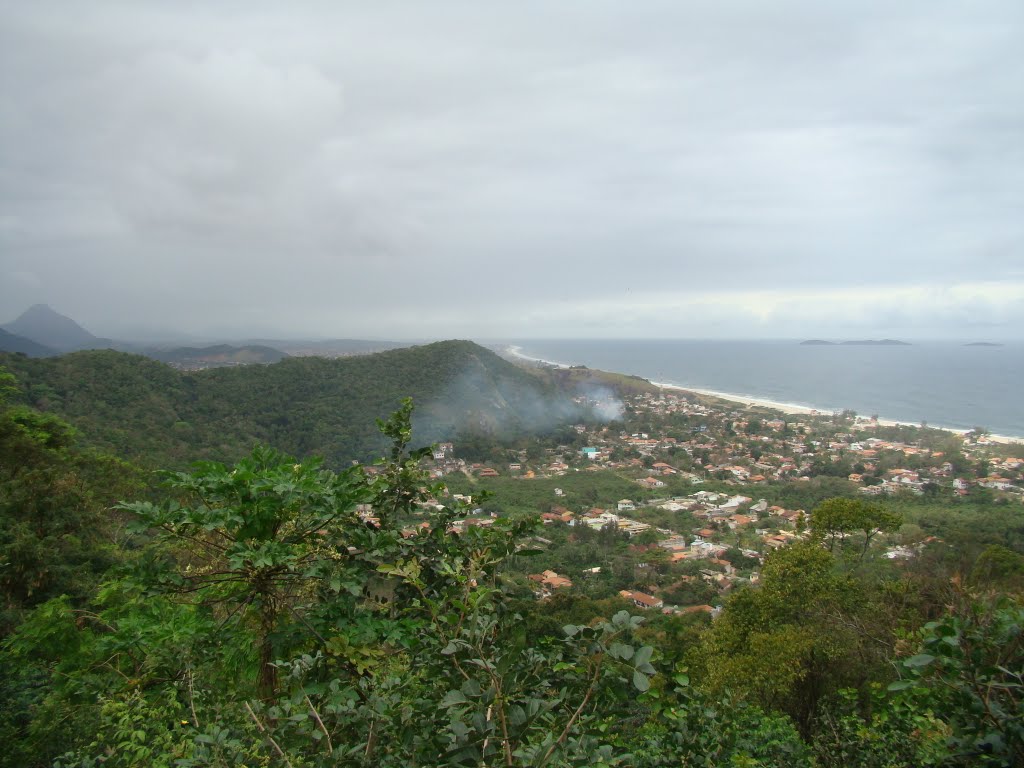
(792, 409)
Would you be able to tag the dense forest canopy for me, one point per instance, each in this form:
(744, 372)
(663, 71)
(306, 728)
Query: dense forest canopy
(308, 406)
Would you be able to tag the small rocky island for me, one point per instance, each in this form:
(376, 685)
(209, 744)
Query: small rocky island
(857, 342)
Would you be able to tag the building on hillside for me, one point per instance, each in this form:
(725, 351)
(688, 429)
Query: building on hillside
(551, 579)
(548, 582)
(642, 600)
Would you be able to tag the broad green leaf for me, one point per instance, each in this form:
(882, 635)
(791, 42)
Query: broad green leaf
(643, 655)
(640, 681)
(920, 660)
(620, 651)
(454, 698)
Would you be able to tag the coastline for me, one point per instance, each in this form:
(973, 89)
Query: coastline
(793, 409)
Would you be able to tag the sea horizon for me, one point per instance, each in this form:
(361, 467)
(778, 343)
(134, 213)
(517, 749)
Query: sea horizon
(951, 384)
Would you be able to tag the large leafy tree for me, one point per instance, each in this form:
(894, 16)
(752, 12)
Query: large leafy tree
(253, 542)
(787, 644)
(839, 520)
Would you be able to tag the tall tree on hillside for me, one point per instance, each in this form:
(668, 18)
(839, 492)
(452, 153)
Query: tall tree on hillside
(253, 538)
(834, 520)
(795, 639)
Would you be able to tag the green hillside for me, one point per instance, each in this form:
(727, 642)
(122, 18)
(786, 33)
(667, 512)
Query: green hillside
(219, 355)
(145, 410)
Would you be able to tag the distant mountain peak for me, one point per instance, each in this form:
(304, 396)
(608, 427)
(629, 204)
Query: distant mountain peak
(44, 325)
(40, 312)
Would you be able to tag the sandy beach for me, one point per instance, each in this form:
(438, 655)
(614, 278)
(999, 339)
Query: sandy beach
(793, 409)
(797, 410)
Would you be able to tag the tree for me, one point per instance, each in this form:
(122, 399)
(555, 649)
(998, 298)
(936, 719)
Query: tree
(999, 567)
(835, 519)
(793, 641)
(252, 539)
(740, 560)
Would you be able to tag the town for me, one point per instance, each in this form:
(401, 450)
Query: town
(676, 503)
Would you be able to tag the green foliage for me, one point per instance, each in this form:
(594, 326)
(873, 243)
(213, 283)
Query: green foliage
(691, 728)
(55, 535)
(969, 668)
(890, 734)
(999, 567)
(263, 619)
(73, 662)
(305, 406)
(804, 633)
(837, 520)
(504, 700)
(259, 537)
(134, 731)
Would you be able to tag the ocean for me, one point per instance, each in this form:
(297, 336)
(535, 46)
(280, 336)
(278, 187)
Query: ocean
(946, 384)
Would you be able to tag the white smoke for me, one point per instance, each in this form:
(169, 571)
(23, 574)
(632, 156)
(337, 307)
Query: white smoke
(602, 402)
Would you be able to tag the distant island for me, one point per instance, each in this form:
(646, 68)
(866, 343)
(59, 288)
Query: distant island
(983, 344)
(857, 342)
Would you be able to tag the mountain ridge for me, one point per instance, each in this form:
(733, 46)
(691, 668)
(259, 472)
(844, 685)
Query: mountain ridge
(145, 410)
(12, 342)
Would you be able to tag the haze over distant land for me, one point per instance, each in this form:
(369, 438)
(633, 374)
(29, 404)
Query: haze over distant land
(789, 170)
(41, 331)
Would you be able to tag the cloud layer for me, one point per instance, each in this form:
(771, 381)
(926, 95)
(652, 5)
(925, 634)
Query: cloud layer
(534, 169)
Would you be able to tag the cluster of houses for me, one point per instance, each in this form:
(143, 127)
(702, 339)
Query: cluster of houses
(725, 442)
(729, 444)
(703, 546)
(599, 519)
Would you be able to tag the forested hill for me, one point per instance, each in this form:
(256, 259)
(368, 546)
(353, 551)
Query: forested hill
(144, 410)
(11, 342)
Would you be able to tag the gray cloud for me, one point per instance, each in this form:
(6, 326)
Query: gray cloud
(454, 169)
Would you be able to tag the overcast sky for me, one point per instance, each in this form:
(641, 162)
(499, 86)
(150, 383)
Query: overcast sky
(518, 169)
